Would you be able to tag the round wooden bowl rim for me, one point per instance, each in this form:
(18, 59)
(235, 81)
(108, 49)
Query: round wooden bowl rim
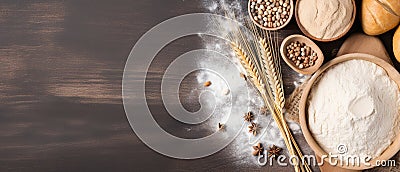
(275, 28)
(330, 39)
(392, 73)
(305, 71)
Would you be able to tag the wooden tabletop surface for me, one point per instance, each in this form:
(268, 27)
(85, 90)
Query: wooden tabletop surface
(61, 67)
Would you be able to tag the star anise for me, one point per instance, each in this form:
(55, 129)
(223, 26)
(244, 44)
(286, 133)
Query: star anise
(248, 116)
(263, 110)
(253, 128)
(258, 149)
(274, 151)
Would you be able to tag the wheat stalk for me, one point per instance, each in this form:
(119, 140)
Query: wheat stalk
(275, 90)
(272, 74)
(258, 56)
(271, 69)
(248, 65)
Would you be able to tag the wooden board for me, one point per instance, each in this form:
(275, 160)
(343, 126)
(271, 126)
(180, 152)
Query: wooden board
(60, 90)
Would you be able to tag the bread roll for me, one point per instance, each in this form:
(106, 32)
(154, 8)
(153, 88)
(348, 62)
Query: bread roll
(375, 19)
(396, 44)
(392, 6)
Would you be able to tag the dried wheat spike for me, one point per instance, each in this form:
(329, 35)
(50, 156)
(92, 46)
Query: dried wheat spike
(271, 73)
(249, 67)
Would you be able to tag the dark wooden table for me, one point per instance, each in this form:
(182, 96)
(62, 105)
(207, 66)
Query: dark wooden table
(60, 85)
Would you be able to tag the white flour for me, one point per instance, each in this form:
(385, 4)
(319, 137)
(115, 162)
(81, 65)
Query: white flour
(356, 104)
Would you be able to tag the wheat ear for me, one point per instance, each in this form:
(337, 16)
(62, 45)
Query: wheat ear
(271, 70)
(248, 64)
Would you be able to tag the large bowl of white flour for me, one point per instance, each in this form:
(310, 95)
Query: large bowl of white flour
(349, 111)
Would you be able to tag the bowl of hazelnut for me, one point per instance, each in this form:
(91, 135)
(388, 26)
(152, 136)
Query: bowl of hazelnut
(271, 14)
(301, 54)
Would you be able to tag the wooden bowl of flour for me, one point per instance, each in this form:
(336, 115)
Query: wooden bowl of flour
(303, 108)
(344, 30)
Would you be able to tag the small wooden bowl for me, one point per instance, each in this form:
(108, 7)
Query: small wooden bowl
(308, 42)
(303, 108)
(320, 39)
(275, 28)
